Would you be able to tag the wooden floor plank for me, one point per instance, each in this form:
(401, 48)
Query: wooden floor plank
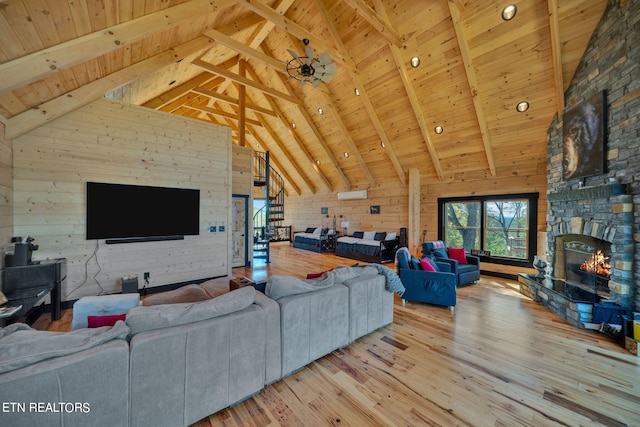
(499, 359)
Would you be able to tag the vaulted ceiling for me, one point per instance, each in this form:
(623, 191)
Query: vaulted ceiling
(223, 61)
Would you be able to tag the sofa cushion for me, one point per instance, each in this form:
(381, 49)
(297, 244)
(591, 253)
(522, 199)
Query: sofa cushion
(188, 293)
(342, 273)
(141, 319)
(281, 286)
(20, 345)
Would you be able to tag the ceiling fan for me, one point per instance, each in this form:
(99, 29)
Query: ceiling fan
(308, 68)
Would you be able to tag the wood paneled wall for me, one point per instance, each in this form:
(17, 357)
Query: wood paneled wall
(106, 141)
(6, 190)
(393, 199)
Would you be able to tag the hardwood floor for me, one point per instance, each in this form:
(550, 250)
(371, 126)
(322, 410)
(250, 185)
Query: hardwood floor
(499, 360)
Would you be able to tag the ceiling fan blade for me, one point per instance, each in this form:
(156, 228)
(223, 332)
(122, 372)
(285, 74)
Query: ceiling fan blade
(329, 68)
(324, 59)
(302, 82)
(325, 77)
(310, 54)
(295, 56)
(315, 81)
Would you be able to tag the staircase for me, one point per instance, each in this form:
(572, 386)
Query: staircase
(270, 216)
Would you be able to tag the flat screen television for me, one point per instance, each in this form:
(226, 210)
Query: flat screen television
(140, 213)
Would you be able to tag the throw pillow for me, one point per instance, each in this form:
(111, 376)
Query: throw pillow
(458, 255)
(415, 263)
(369, 235)
(110, 320)
(309, 230)
(358, 234)
(315, 275)
(441, 253)
(433, 263)
(317, 231)
(425, 265)
(391, 236)
(380, 236)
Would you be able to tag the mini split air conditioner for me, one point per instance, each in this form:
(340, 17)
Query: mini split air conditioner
(352, 195)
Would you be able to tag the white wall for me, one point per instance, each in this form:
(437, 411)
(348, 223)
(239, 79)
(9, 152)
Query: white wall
(106, 141)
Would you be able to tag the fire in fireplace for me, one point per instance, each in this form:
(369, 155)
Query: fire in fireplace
(597, 263)
(588, 266)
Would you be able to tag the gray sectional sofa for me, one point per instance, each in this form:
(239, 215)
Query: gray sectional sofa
(174, 364)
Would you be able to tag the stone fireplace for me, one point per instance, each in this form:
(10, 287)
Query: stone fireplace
(588, 225)
(604, 209)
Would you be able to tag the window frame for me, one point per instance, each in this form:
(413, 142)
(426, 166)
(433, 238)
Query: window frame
(532, 239)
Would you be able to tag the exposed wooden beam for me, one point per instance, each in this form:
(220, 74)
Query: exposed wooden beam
(413, 233)
(232, 116)
(176, 92)
(296, 30)
(246, 50)
(364, 97)
(244, 81)
(242, 110)
(300, 143)
(203, 79)
(231, 100)
(63, 104)
(556, 52)
(417, 110)
(376, 21)
(30, 68)
(473, 85)
(351, 146)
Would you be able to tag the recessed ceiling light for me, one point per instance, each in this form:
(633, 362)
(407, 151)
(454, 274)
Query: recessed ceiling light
(509, 12)
(320, 111)
(318, 162)
(522, 106)
(382, 144)
(346, 154)
(356, 91)
(415, 62)
(438, 129)
(293, 125)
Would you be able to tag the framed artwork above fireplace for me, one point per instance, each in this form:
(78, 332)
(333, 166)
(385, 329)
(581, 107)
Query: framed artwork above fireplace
(584, 134)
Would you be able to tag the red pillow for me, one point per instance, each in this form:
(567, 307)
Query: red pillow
(458, 254)
(426, 265)
(97, 321)
(315, 275)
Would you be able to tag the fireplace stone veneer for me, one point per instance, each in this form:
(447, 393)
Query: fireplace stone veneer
(602, 212)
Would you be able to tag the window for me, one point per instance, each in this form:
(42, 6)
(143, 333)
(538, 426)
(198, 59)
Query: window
(501, 227)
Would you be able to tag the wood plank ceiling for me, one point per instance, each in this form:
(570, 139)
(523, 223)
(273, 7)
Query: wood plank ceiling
(223, 61)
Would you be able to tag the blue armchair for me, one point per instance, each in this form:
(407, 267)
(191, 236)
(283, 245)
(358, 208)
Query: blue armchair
(465, 273)
(427, 286)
